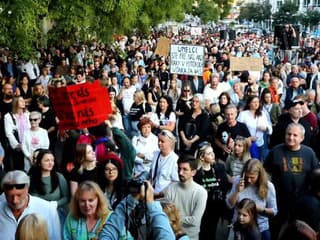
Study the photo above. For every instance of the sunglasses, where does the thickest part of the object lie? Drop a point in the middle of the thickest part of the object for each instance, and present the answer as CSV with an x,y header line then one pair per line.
x,y
33,119
16,186
186,90
168,134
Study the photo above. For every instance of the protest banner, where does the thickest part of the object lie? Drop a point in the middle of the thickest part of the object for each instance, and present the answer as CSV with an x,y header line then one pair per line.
x,y
246,64
163,47
187,59
80,106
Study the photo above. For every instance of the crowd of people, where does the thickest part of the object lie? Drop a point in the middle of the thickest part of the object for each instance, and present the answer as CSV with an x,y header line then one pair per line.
x,y
178,154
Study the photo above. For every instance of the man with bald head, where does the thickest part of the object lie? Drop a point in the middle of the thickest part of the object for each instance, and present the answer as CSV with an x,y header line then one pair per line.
x,y
17,203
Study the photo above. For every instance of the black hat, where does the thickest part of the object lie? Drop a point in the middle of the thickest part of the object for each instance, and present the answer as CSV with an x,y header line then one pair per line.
x,y
293,103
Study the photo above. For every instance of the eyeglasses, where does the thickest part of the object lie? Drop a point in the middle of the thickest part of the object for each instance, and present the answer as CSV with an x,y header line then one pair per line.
x,y
12,186
33,119
110,170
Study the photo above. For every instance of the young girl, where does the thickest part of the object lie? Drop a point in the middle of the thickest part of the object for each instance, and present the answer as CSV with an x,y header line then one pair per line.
x,y
246,226
239,156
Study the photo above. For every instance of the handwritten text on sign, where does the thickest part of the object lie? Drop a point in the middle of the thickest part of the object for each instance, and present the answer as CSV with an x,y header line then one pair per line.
x,y
80,106
187,59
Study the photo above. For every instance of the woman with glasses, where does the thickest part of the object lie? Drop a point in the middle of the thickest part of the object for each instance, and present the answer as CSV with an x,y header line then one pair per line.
x,y
34,138
111,179
16,123
48,184
212,176
194,127
183,107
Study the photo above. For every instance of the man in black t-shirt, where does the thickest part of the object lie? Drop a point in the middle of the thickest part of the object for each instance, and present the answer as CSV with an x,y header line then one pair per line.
x,y
289,165
228,131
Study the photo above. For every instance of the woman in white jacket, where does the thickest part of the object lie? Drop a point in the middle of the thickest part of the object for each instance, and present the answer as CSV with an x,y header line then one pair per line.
x,y
145,144
257,123
16,123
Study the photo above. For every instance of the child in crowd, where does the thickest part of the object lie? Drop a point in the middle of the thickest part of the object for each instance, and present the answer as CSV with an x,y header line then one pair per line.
x,y
246,226
239,156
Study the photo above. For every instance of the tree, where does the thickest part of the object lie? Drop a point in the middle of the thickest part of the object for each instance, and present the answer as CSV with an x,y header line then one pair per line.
x,y
208,10
256,12
310,18
286,13
21,25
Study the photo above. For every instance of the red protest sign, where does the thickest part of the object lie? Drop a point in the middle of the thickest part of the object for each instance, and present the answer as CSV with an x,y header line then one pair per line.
x,y
80,106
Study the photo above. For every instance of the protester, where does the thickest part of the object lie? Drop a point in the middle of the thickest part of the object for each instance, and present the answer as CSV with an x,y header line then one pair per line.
x,y
246,226
212,176
32,227
17,203
289,164
195,126
145,144
88,213
111,181
253,184
188,196
158,221
16,123
257,123
48,184
164,167
34,138
86,169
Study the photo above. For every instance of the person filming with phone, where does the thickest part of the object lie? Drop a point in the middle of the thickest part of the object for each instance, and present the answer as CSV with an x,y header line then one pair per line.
x,y
158,225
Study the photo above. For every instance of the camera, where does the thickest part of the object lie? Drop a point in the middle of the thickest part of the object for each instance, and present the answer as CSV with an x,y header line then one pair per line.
x,y
134,185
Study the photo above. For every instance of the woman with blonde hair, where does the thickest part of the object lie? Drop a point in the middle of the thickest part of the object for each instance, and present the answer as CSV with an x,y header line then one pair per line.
x,y
239,156
32,227
85,166
88,213
254,184
173,214
138,110
212,176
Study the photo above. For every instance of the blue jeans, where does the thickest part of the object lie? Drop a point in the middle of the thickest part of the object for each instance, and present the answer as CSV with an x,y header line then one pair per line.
x,y
265,235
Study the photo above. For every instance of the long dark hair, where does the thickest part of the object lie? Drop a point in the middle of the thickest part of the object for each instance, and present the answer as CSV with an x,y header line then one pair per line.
x,y
169,109
247,107
118,183
36,183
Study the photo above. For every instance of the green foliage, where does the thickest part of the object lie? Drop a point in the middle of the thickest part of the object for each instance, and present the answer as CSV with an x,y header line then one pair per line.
x,y
256,12
286,13
209,10
310,18
22,21
21,25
